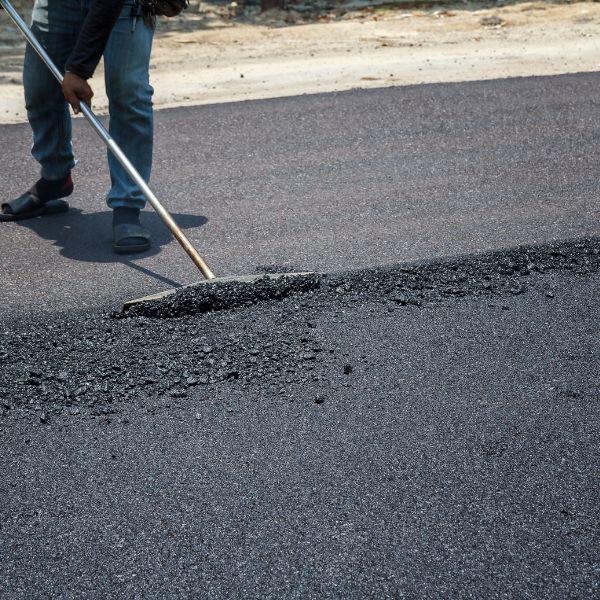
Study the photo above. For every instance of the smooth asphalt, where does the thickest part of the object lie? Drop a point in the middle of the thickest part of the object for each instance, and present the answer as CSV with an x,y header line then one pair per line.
x,y
320,182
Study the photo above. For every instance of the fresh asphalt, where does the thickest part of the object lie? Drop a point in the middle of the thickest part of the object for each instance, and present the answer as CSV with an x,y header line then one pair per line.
x,y
422,431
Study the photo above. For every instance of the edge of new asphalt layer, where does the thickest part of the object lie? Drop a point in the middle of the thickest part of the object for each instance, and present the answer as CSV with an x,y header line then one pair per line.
x,y
253,333
414,282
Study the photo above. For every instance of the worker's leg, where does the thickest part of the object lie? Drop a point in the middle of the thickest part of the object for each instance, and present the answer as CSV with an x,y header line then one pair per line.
x,y
56,27
126,63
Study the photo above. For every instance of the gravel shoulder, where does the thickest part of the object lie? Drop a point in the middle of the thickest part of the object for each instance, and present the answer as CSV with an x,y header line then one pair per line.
x,y
206,57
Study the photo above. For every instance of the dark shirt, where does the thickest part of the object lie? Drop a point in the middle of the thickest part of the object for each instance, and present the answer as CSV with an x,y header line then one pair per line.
x,y
98,23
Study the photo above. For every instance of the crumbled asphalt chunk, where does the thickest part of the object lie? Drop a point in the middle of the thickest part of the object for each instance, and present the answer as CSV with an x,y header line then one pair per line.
x,y
86,365
224,295
347,369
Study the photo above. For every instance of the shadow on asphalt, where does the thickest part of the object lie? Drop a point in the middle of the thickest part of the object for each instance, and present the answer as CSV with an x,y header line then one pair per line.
x,y
87,237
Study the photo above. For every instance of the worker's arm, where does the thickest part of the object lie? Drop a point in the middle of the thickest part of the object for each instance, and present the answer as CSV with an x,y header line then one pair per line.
x,y
84,59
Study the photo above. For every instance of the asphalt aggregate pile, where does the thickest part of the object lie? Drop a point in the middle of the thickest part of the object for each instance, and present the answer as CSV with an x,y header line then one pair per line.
x,y
423,281
422,430
97,362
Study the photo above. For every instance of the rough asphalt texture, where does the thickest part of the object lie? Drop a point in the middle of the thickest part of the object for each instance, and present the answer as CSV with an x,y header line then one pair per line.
x,y
422,432
321,183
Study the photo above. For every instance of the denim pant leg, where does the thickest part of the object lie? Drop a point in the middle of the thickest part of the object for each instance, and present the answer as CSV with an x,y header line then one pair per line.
x,y
126,65
47,110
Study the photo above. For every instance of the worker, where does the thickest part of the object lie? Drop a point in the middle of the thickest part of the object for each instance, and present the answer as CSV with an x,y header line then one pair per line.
x,y
76,34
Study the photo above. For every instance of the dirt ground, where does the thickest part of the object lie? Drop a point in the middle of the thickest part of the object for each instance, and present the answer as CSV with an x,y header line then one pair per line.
x,y
207,56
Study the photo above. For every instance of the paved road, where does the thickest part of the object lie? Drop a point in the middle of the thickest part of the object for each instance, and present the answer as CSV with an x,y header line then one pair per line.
x,y
322,182
419,432
335,445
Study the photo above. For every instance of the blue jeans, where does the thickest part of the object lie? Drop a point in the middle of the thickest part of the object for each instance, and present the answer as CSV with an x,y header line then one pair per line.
x,y
56,24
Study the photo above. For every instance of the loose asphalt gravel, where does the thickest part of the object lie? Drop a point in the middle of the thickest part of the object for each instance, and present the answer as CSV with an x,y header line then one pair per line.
x,y
398,425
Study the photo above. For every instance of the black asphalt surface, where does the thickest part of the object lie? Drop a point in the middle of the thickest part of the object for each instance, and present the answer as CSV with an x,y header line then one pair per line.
x,y
403,426
323,182
419,432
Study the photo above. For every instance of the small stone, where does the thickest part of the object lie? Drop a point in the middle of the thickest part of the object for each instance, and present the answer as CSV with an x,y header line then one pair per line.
x,y
549,295
347,369
44,418
492,21
401,299
319,400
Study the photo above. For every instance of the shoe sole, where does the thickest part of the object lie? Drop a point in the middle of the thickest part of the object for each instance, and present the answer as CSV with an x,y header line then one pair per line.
x,y
134,249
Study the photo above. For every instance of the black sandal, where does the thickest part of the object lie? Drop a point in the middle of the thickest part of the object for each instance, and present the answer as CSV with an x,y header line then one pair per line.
x,y
29,206
128,231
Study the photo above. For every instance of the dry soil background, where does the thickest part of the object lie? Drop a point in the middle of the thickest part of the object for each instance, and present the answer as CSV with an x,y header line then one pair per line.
x,y
207,56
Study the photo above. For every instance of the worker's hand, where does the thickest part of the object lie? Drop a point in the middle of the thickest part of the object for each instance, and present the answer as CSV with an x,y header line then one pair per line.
x,y
76,88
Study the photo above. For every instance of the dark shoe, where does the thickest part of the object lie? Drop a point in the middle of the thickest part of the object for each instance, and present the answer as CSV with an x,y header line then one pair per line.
x,y
29,206
130,238
44,198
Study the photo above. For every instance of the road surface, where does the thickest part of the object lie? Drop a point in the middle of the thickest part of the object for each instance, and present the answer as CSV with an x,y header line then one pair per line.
x,y
322,182
416,431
